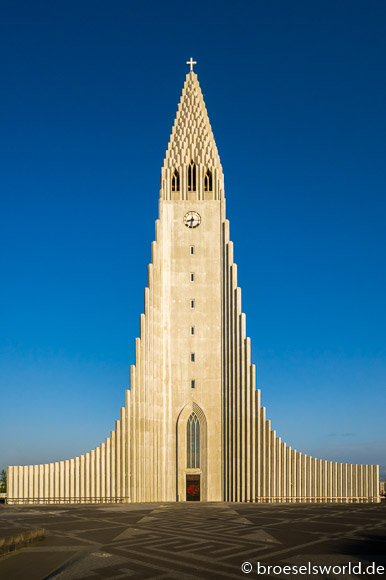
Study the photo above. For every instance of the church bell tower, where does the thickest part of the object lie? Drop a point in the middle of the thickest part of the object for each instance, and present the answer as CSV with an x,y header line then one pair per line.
x,y
188,258
203,389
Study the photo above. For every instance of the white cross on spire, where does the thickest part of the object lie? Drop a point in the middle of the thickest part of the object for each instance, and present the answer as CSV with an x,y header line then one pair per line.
x,y
192,63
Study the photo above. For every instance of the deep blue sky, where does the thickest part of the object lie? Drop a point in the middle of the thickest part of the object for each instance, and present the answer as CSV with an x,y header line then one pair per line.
x,y
296,94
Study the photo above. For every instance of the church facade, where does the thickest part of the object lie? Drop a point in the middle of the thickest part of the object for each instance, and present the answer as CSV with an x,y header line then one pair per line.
x,y
192,428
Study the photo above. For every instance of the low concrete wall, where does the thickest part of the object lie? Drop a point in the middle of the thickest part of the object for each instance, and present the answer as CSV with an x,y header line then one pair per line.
x,y
19,539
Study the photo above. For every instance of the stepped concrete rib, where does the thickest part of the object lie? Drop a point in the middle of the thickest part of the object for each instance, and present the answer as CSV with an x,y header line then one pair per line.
x,y
192,426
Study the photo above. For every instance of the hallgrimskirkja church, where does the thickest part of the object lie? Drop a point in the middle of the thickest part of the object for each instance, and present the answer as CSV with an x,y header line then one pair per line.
x,y
192,428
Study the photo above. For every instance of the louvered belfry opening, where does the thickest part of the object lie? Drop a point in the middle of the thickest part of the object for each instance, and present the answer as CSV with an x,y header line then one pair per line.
x,y
208,186
176,181
192,176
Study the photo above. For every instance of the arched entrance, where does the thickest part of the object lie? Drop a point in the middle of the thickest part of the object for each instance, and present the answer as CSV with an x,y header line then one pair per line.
x,y
191,454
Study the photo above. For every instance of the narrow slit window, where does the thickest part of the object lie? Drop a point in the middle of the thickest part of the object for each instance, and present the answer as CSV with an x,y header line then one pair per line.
x,y
192,330
192,357
208,181
192,304
192,384
192,276
176,181
193,442
192,176
191,250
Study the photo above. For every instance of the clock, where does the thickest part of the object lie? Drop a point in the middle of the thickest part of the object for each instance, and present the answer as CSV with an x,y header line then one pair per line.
x,y
192,219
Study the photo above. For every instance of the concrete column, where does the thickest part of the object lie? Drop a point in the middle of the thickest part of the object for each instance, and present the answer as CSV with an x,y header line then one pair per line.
x,y
30,481
288,487
36,481
19,473
231,363
313,477
258,430
133,438
10,484
333,481
72,480
40,490
294,479
123,455
82,469
50,484
227,394
238,390
344,480
17,487
108,468
330,470
358,483
152,348
272,460
92,475
268,460
103,471
20,478
61,481
46,472
77,479
354,481
365,471
98,474
244,417
57,480
252,389
370,482
67,480
303,470
235,393
361,481
324,480
299,476
11,489
142,413
87,487
138,430
147,404
339,481
376,483
112,467
284,473
278,470
308,478
349,480
118,455
25,482
128,445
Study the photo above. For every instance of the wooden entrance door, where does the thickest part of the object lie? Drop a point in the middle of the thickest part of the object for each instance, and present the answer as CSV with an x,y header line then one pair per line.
x,y
193,487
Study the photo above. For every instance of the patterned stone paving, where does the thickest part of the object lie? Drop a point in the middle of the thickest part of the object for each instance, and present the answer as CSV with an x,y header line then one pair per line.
x,y
191,540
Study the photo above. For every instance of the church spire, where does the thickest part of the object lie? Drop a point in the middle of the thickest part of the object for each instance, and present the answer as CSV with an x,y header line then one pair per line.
x,y
192,167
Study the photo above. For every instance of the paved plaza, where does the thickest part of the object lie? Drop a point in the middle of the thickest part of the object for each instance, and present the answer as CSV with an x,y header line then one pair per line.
x,y
191,540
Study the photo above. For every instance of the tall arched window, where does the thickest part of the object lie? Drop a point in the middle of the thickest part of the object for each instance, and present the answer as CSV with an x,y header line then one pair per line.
x,y
176,181
193,441
192,176
208,181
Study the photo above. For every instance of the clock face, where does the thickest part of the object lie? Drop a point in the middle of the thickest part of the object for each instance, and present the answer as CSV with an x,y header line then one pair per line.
x,y
192,219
